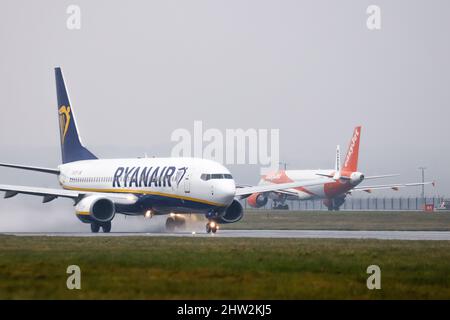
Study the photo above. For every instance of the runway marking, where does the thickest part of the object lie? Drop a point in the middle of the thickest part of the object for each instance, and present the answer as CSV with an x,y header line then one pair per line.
x,y
290,234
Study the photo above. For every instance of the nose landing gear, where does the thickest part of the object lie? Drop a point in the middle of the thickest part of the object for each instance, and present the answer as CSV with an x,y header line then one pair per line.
x,y
211,226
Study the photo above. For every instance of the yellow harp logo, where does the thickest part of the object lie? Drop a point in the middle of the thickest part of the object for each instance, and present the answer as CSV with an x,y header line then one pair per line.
x,y
64,121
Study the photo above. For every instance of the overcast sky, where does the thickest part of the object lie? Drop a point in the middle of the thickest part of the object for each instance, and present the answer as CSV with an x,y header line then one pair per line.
x,y
138,70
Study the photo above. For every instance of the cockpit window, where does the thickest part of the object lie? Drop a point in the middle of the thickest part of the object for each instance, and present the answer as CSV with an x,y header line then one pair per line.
x,y
207,176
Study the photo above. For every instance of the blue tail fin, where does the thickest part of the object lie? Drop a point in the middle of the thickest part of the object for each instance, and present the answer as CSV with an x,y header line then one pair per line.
x,y
71,147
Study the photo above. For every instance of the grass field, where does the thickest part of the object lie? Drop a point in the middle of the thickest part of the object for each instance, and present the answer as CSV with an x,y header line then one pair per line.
x,y
221,268
343,220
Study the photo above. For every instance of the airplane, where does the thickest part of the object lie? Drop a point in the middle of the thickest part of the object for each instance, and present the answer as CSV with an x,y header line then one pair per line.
x,y
102,188
345,180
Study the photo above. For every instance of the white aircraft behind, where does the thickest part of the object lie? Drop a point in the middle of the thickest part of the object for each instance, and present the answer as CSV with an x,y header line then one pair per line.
x,y
345,179
102,188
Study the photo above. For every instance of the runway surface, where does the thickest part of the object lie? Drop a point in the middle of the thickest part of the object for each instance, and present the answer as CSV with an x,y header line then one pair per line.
x,y
319,234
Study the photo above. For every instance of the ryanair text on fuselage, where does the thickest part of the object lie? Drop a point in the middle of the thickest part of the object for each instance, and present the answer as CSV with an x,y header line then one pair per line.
x,y
139,177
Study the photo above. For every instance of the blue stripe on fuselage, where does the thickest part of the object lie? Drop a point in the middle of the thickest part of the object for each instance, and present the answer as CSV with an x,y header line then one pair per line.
x,y
166,205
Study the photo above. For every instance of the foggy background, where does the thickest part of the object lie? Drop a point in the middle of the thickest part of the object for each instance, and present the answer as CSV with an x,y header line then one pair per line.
x,y
138,70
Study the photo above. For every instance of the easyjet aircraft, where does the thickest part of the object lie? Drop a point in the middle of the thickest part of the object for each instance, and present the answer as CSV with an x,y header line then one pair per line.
x,y
102,188
344,181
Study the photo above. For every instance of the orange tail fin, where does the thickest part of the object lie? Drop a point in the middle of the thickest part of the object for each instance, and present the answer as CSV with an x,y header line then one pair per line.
x,y
351,159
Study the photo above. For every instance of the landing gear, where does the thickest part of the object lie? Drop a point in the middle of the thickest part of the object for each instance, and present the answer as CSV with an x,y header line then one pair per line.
x,y
95,227
106,226
211,226
170,224
333,208
280,206
334,204
175,222
180,223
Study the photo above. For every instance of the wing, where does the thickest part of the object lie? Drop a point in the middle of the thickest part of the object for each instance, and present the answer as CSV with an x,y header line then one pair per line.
x,y
365,178
39,169
50,194
382,176
394,187
280,186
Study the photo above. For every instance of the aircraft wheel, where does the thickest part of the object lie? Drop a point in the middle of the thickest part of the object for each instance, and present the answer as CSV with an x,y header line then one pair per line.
x,y
211,227
180,223
106,227
170,224
95,227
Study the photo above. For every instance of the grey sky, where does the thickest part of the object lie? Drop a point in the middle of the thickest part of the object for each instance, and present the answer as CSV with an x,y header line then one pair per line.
x,y
138,70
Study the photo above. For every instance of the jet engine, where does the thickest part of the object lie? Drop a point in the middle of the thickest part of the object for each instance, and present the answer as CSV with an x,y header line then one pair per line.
x,y
95,208
233,213
356,178
257,200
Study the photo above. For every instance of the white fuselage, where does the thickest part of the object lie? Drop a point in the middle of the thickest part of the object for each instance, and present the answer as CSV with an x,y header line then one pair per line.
x,y
320,191
178,184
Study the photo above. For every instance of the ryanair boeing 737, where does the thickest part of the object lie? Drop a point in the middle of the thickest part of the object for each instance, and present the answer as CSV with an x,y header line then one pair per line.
x,y
102,188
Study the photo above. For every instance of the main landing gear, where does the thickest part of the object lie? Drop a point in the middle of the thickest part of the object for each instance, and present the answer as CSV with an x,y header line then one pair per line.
x,y
280,206
333,208
175,222
106,226
334,204
211,226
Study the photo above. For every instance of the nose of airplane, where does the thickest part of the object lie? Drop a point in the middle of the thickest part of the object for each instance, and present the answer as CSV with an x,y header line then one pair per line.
x,y
224,191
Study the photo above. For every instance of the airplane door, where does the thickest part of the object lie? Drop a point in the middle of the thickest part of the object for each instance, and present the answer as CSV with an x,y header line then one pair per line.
x,y
187,184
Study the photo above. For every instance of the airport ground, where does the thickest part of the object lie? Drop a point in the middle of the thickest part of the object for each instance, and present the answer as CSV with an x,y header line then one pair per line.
x,y
343,220
221,268
139,267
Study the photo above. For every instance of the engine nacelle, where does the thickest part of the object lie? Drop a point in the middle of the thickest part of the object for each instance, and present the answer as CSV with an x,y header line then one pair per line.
x,y
233,213
257,200
95,208
356,178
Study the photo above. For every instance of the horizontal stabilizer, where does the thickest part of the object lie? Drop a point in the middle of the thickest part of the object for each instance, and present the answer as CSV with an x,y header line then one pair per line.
x,y
325,175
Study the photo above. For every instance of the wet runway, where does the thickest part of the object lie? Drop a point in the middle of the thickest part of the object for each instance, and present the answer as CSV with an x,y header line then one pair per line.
x,y
319,234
